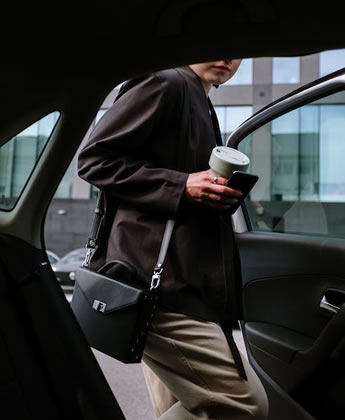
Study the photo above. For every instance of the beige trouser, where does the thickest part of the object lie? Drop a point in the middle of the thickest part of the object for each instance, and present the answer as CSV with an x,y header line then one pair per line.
x,y
191,374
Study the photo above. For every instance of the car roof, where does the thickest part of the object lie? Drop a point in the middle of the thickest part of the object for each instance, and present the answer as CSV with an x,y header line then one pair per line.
x,y
117,40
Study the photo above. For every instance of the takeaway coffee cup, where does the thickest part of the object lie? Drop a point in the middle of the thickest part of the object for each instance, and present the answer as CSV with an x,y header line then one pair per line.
x,y
225,160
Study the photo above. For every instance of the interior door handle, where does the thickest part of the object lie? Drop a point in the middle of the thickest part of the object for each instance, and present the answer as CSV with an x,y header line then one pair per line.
x,y
308,360
328,306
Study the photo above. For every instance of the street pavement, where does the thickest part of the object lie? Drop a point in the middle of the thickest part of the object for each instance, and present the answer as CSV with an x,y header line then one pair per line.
x,y
128,385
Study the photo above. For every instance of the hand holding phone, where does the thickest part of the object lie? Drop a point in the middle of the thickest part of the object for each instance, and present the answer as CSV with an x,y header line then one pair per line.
x,y
243,182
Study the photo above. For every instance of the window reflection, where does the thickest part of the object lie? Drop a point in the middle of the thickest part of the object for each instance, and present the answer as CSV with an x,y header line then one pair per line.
x,y
331,61
295,155
285,70
230,117
18,158
307,154
299,158
332,153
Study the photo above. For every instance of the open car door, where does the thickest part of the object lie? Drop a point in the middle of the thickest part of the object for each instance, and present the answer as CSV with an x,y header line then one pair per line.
x,y
291,239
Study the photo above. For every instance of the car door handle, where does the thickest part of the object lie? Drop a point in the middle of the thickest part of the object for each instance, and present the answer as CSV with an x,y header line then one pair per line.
x,y
328,306
332,300
309,359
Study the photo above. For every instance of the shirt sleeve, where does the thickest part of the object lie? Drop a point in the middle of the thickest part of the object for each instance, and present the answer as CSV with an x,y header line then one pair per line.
x,y
117,157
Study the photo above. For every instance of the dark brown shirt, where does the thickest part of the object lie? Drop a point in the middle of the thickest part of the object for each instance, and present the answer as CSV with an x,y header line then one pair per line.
x,y
137,156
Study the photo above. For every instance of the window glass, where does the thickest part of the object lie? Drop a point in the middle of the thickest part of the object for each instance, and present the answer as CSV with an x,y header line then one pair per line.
x,y
93,192
18,157
64,189
244,74
285,69
299,160
230,117
332,150
331,61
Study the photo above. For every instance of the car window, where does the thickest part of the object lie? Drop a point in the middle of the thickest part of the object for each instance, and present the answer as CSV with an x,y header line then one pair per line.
x,y
18,158
299,158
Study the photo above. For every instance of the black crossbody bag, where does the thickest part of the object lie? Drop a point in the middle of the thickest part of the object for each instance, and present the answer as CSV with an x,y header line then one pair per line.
x,y
116,313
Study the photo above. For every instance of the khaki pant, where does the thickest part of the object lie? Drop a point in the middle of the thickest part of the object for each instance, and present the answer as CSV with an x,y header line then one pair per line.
x,y
191,374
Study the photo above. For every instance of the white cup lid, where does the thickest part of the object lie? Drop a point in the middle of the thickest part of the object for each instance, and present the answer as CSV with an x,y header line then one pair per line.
x,y
224,160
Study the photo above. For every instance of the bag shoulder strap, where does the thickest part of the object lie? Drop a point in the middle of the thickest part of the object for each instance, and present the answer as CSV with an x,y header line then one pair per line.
x,y
95,237
185,125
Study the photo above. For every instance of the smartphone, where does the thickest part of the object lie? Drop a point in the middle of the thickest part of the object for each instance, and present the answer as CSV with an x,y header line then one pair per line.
x,y
243,182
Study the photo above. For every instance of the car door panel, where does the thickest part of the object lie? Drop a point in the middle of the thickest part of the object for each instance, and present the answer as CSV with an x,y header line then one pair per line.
x,y
292,247
284,282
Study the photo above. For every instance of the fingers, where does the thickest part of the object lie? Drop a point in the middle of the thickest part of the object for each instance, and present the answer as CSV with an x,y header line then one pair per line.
x,y
218,185
215,179
204,187
216,202
220,197
222,189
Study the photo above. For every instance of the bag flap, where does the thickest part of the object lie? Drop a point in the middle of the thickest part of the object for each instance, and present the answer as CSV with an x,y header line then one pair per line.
x,y
105,294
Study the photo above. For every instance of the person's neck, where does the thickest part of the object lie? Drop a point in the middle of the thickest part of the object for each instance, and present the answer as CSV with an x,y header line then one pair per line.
x,y
206,85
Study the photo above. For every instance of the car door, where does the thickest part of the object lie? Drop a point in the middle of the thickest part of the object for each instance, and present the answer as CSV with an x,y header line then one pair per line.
x,y
47,368
291,240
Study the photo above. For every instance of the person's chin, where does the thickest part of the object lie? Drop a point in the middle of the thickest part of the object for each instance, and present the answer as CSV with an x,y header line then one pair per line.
x,y
221,80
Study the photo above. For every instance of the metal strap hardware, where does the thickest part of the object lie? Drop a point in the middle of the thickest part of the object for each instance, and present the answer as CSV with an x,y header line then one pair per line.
x,y
99,306
88,256
156,278
95,233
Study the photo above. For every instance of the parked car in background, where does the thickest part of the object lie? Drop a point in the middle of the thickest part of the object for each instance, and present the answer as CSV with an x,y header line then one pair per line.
x,y
66,267
52,257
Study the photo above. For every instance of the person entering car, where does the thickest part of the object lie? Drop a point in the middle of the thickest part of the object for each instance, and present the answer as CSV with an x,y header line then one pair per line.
x,y
152,161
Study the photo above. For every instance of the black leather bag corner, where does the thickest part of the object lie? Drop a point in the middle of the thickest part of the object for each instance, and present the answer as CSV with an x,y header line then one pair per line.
x,y
114,314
